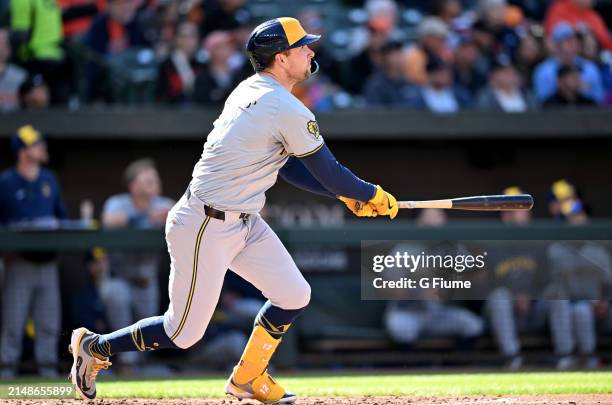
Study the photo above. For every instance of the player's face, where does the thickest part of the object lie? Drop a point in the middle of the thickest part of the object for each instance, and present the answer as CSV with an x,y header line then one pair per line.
x,y
37,153
146,184
300,59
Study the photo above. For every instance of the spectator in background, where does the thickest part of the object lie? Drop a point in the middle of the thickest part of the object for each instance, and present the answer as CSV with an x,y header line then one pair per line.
x,y
167,21
451,13
566,50
132,292
37,31
217,79
223,15
504,92
529,54
516,306
439,95
470,70
77,16
578,13
581,273
423,313
381,28
30,197
110,34
432,43
11,76
387,86
569,90
447,10
86,305
177,74
564,203
34,93
494,29
591,50
534,10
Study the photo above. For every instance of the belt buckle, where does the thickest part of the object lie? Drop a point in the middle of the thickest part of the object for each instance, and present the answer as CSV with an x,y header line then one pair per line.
x,y
244,217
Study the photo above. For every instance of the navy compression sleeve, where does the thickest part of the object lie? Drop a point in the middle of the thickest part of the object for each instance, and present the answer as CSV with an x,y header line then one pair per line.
x,y
335,177
294,172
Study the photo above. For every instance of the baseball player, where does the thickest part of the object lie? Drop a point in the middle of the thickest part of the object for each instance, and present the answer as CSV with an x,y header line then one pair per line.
x,y
262,131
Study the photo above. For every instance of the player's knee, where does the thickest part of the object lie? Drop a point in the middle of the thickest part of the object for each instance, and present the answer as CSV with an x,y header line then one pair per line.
x,y
473,326
302,296
296,297
582,310
185,339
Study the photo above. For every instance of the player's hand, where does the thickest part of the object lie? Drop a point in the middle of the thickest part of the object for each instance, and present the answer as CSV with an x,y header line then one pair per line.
x,y
359,208
384,203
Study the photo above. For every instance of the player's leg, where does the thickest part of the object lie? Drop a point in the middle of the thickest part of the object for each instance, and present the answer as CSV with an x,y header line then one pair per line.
x,y
19,282
404,323
266,264
560,320
583,317
201,249
46,313
117,298
448,320
500,311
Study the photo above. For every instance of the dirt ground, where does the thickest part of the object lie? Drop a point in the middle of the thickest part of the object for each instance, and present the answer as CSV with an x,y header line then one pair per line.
x,y
467,400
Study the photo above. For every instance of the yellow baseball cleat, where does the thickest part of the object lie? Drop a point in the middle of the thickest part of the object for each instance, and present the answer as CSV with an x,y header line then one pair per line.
x,y
262,388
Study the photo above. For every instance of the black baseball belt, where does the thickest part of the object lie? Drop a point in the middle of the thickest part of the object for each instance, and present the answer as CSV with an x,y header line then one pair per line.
x,y
213,212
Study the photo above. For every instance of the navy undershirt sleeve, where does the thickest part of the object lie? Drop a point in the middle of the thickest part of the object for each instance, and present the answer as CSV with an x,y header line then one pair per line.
x,y
294,172
336,178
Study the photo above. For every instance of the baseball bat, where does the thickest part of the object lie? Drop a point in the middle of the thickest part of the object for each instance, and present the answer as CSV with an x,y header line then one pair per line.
x,y
518,202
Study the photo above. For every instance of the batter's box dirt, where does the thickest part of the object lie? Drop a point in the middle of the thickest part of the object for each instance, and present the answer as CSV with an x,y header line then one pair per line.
x,y
590,399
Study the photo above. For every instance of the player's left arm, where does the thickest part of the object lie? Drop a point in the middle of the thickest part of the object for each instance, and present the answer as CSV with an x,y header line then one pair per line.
x,y
295,173
301,137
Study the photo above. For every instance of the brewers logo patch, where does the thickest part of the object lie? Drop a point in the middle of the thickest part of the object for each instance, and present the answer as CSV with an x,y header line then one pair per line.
x,y
46,190
313,128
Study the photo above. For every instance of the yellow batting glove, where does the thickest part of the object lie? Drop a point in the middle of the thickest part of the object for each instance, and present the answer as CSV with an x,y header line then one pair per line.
x,y
384,203
359,208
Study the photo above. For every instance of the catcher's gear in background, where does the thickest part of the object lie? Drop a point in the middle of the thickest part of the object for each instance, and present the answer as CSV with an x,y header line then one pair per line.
x,y
384,203
274,36
359,208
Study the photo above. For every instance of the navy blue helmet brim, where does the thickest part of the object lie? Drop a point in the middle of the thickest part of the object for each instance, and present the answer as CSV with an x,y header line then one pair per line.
x,y
308,39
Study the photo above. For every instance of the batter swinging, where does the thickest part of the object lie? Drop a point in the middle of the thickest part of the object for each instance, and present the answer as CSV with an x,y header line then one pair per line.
x,y
263,131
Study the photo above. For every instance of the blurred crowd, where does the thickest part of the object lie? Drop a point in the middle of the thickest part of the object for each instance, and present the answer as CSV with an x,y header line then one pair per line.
x,y
438,55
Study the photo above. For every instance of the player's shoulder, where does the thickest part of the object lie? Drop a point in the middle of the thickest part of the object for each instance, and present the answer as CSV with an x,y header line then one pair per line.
x,y
118,200
7,178
7,174
291,104
47,174
254,88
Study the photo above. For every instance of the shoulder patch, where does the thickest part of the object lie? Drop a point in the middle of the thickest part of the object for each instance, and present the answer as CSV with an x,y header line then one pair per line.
x,y
313,128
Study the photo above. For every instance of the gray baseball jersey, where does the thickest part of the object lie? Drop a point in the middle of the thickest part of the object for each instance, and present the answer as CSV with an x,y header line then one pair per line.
x,y
261,125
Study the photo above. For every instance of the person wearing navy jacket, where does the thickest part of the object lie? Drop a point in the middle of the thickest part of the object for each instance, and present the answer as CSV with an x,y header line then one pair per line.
x,y
30,197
